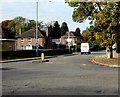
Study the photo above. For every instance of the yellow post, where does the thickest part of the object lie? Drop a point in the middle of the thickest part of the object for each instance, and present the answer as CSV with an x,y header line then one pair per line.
x,y
42,56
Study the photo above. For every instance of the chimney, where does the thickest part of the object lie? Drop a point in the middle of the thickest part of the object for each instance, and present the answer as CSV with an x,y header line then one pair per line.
x,y
20,31
47,31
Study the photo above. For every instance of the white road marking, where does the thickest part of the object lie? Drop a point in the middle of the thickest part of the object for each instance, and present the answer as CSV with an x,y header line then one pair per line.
x,y
84,64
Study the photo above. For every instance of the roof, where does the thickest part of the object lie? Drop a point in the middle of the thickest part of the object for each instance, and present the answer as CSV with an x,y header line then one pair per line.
x,y
31,34
85,31
72,34
7,39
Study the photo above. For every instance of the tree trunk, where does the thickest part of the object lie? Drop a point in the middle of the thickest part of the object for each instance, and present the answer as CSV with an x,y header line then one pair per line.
x,y
109,52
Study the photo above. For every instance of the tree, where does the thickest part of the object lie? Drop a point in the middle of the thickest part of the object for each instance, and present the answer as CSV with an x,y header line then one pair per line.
x,y
108,23
77,31
85,35
64,28
19,25
31,24
16,25
105,16
56,30
5,29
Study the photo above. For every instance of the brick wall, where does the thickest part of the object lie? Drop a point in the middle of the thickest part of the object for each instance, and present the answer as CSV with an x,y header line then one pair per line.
x,y
8,45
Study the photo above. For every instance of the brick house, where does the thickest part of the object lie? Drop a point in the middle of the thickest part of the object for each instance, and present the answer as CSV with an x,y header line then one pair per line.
x,y
27,39
8,44
74,38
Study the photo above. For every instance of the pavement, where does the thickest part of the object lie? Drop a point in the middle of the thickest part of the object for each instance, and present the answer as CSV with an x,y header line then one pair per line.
x,y
24,59
104,61
27,59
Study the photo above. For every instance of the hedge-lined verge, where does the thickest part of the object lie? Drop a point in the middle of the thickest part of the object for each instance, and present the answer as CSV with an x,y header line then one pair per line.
x,y
31,53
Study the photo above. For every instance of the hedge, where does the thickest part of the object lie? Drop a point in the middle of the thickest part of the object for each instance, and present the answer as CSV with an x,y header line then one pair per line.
x,y
31,53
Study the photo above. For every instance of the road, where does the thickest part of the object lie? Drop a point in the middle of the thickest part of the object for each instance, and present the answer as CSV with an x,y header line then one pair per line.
x,y
62,75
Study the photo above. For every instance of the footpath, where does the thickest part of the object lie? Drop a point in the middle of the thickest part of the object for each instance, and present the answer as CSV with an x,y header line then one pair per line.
x,y
104,61
24,59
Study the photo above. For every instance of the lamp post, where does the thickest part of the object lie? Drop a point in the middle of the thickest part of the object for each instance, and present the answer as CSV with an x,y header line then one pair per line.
x,y
69,40
36,34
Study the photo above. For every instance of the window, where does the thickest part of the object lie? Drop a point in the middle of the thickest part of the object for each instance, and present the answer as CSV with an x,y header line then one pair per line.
x,y
29,40
22,47
22,40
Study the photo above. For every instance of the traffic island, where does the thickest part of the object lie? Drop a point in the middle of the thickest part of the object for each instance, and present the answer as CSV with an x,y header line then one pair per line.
x,y
40,61
104,61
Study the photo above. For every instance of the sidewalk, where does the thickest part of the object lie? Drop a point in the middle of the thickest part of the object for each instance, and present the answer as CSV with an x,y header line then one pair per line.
x,y
104,61
25,59
34,58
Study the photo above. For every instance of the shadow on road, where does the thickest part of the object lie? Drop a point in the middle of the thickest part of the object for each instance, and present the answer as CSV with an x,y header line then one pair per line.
x,y
96,53
6,68
70,54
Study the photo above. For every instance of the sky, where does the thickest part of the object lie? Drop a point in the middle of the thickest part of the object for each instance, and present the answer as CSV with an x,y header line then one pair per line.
x,y
47,12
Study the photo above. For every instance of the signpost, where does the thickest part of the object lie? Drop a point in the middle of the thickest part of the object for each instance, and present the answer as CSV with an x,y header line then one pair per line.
x,y
69,43
36,34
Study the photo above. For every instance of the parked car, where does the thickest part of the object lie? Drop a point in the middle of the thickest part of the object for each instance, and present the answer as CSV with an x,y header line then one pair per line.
x,y
85,48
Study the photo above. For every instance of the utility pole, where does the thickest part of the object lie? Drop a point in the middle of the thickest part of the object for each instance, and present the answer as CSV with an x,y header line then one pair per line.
x,y
36,35
69,40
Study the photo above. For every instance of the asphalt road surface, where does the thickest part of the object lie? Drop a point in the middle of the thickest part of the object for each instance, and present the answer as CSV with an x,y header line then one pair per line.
x,y
62,75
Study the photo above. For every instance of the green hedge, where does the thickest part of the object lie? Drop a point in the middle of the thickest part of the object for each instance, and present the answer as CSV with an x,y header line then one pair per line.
x,y
31,53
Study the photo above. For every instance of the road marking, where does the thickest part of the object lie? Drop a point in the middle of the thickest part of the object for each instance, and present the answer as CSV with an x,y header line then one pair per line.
x,y
84,64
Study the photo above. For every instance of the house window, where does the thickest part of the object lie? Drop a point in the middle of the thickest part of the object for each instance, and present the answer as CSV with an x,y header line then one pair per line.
x,y
22,40
22,47
29,40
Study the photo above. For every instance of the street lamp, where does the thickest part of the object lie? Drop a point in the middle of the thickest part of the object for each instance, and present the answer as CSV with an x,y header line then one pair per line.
x,y
36,35
69,40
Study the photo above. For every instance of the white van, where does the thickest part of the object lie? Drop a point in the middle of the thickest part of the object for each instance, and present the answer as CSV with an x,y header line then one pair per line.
x,y
85,48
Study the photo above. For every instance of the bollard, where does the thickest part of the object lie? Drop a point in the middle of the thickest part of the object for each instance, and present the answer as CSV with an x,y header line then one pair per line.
x,y
42,56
